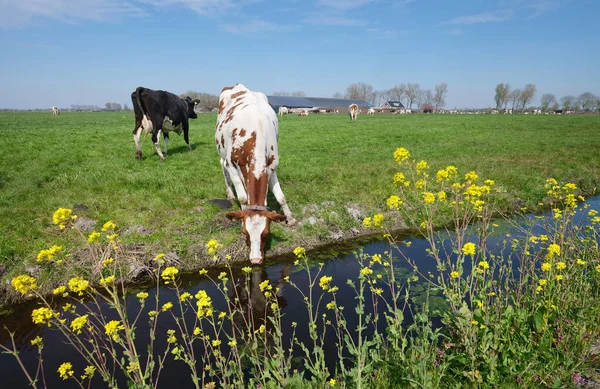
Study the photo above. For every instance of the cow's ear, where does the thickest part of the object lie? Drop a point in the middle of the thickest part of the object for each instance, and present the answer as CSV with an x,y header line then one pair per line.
x,y
188,99
196,101
234,215
276,217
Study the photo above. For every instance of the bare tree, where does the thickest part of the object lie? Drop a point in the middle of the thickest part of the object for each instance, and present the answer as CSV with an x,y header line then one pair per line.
x,y
567,102
397,92
338,95
547,100
515,97
207,100
412,93
586,101
299,94
527,95
281,93
502,95
441,90
126,107
359,91
425,97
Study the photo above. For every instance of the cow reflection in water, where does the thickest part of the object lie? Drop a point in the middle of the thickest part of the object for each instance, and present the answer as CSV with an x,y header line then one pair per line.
x,y
252,306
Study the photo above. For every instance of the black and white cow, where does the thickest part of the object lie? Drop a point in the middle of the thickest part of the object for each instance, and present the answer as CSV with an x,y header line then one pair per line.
x,y
158,111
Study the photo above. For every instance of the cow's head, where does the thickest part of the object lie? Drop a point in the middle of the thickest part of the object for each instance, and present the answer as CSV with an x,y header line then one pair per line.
x,y
191,104
255,226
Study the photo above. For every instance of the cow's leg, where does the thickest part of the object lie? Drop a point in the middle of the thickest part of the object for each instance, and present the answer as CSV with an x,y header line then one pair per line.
x,y
230,195
278,193
165,141
137,133
186,137
156,141
238,184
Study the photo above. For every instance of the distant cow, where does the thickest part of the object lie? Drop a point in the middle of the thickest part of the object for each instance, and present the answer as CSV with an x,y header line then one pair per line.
x,y
303,113
55,110
246,137
353,111
370,111
158,111
283,110
558,111
336,111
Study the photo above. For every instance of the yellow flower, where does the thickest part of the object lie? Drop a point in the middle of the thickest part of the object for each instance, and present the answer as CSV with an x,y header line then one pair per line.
x,y
469,248
169,274
598,268
471,176
377,220
78,323
481,327
474,322
62,217
159,258
484,265
41,315
172,338
332,382
299,252
491,294
401,155
142,295
543,282
581,262
592,213
78,285
376,258
366,222
324,282
232,343
569,186
454,274
553,250
107,262
132,367
108,225
216,342
185,296
93,237
36,341
330,305
533,239
247,269
399,178
65,370
107,280
265,285
558,277
222,315
197,331
262,328
441,196
204,304
422,165
112,329
420,184
377,291
48,254
89,371
489,182
561,265
428,197
546,266
213,245
23,283
366,271
167,306
393,202
203,272
543,238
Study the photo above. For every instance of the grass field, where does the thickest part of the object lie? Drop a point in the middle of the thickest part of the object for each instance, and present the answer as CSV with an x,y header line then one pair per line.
x,y
86,161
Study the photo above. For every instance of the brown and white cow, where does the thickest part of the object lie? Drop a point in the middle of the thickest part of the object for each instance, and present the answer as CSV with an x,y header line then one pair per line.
x,y
370,111
246,137
55,110
353,111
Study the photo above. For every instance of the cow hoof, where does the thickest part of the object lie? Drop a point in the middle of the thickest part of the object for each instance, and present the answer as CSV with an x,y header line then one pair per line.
x,y
162,159
189,148
138,155
291,222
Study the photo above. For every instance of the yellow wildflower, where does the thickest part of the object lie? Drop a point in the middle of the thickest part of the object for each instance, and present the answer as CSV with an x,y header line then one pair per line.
x,y
169,274
203,272
324,282
172,338
377,220
36,341
78,285
366,271
185,296
232,343
112,329
553,250
89,371
107,280
422,165
332,382
474,322
222,315
366,222
401,155
23,283
204,304
561,265
62,217
93,237
247,269
442,175
108,262
598,268
420,184
471,176
132,367
489,182
546,266
65,370
159,258
265,285
197,331
167,306
569,186
41,315
543,282
428,197
454,274
213,245
469,248
78,323
393,202
441,196
262,328
581,262
376,258
108,225
399,178
484,265
558,277
330,305
48,254
299,252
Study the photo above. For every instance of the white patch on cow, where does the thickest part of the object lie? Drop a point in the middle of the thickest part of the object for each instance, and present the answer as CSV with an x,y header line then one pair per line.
x,y
168,126
136,138
255,225
147,125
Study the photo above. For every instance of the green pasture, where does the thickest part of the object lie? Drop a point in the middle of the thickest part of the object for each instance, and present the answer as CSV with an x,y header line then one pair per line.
x,y
85,161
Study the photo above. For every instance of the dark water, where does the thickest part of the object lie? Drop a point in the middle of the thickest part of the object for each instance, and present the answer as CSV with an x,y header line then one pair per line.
x,y
340,266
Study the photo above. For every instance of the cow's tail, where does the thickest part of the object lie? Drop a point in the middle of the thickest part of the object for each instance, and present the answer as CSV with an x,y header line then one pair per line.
x,y
147,124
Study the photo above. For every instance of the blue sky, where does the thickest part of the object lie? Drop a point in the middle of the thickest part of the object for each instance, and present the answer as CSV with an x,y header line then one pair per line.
x,y
63,52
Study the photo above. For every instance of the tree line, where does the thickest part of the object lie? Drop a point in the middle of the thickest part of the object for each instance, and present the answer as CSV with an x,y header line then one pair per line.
x,y
409,94
521,98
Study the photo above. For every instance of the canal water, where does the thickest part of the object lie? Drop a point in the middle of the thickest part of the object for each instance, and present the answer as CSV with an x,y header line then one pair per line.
x,y
338,262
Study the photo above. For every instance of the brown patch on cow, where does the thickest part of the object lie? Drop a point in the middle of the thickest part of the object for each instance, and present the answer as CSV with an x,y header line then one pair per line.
x,y
237,94
270,160
233,135
244,158
272,148
242,132
227,88
221,106
222,141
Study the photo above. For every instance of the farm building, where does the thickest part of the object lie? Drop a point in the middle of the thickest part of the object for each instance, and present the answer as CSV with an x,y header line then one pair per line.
x,y
314,104
393,104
